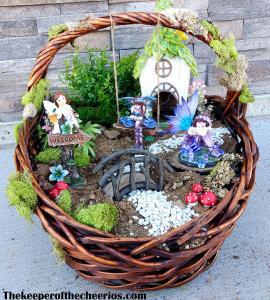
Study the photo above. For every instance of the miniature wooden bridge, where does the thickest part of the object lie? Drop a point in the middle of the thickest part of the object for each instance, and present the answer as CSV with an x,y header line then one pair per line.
x,y
124,169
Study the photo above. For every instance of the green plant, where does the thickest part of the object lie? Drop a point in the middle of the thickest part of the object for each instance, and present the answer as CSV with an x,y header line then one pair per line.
x,y
211,28
246,96
92,130
42,137
21,194
127,86
37,94
16,129
91,85
163,4
103,216
81,158
55,30
64,201
48,155
165,41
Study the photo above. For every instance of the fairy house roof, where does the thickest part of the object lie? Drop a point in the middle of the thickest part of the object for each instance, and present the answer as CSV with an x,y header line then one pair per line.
x,y
165,42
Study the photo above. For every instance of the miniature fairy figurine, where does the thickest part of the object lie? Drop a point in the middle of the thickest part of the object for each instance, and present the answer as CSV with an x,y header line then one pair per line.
x,y
139,117
64,122
198,145
61,115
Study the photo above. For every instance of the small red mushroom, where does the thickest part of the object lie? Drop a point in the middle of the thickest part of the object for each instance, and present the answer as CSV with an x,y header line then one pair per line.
x,y
208,199
54,192
192,199
61,185
197,188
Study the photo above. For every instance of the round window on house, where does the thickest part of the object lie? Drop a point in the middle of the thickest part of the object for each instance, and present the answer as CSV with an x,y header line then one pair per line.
x,y
163,68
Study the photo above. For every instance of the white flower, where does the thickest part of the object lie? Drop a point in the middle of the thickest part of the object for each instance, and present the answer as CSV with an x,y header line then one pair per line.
x,y
29,111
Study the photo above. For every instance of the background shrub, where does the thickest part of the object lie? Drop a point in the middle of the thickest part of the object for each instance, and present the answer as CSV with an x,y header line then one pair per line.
x,y
91,86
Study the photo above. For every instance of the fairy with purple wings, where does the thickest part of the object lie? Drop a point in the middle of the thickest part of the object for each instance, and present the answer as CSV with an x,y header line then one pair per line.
x,y
184,114
140,116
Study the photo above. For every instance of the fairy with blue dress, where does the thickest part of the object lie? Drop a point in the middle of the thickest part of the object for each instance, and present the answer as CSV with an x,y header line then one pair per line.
x,y
140,116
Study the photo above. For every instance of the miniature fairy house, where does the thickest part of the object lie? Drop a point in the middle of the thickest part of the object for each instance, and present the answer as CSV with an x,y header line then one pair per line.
x,y
164,66
173,81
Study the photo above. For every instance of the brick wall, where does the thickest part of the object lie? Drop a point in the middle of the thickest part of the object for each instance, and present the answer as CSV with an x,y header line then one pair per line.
x,y
24,25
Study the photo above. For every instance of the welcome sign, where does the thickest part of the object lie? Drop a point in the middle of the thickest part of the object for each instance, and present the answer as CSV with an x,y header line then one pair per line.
x,y
68,139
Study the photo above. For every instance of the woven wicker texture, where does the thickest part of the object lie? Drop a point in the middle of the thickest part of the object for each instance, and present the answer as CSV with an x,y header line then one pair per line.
x,y
140,263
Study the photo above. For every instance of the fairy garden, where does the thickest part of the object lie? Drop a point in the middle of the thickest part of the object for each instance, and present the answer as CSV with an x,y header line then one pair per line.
x,y
135,147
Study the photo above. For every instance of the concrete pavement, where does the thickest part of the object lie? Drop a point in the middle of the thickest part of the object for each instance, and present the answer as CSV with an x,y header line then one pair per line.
x,y
242,270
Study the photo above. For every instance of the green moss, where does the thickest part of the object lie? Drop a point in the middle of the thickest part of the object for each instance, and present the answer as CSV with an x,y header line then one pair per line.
x,y
64,201
103,216
246,96
211,28
22,195
82,160
16,129
58,251
49,154
223,174
227,54
55,30
37,94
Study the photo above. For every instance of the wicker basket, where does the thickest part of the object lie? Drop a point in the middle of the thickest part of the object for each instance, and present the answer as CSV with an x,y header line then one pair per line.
x,y
140,263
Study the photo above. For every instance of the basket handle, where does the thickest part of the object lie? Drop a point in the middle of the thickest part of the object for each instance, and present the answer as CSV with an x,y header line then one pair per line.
x,y
47,53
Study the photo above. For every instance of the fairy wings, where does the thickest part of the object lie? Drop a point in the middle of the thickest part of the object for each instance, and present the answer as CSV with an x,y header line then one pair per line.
x,y
184,114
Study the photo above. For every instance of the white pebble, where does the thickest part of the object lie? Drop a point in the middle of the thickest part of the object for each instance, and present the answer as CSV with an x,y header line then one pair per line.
x,y
157,212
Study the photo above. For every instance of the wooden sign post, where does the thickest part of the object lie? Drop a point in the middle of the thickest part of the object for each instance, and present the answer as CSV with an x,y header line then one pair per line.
x,y
67,142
